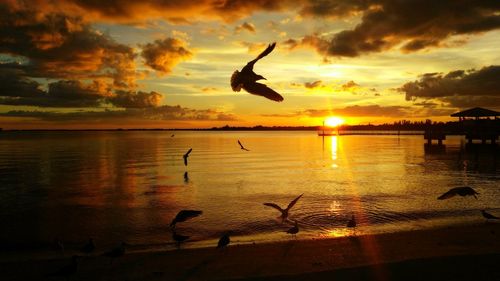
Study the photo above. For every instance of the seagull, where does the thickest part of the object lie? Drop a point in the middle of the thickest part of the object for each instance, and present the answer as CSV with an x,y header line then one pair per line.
x,y
184,215
293,230
242,147
489,216
351,222
68,270
284,212
223,241
178,238
462,191
246,79
89,247
185,156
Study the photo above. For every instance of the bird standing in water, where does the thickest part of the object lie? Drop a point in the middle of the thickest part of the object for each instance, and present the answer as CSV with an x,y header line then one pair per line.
x,y
223,241
246,79
351,222
284,212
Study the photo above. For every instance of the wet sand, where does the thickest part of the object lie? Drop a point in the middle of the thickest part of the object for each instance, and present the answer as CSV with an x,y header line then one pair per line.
x,y
470,252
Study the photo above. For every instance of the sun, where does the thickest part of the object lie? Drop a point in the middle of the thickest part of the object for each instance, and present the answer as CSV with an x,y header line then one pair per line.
x,y
333,121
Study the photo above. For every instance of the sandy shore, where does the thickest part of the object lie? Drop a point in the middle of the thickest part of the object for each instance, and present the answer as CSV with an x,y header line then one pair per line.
x,y
469,252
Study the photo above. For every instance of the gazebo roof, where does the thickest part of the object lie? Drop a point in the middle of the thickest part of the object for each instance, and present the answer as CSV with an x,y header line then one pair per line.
x,y
476,112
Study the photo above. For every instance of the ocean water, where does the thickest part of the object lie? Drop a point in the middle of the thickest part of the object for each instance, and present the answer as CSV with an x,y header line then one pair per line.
x,y
118,186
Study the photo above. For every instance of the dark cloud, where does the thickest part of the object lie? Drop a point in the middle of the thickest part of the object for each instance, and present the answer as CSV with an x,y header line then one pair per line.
x,y
460,88
60,46
412,24
164,112
245,26
129,99
349,85
164,55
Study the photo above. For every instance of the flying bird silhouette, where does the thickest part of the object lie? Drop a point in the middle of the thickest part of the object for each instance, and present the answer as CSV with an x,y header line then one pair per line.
x,y
284,212
185,215
246,79
185,156
462,191
293,230
223,241
489,216
242,147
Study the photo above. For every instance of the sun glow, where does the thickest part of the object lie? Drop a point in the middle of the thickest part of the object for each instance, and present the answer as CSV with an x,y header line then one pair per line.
x,y
334,121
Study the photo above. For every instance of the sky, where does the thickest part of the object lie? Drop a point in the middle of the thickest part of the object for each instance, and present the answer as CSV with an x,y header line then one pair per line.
x,y
167,64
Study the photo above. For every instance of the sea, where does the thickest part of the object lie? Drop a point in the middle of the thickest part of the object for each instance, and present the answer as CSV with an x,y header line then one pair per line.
x,y
115,186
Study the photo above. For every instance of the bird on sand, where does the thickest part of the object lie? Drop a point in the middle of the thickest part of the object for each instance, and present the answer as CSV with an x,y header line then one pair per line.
x,y
68,270
242,147
284,212
116,252
351,222
462,191
185,215
246,79
178,238
223,241
89,247
185,156
294,229
489,216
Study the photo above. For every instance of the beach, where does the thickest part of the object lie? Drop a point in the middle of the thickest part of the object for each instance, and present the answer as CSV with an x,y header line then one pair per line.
x,y
462,252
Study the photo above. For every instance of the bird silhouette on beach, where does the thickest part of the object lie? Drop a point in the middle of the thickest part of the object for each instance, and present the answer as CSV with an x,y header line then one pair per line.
x,y
185,156
185,215
294,229
68,270
178,238
284,212
223,241
246,79
242,147
462,191
489,216
89,247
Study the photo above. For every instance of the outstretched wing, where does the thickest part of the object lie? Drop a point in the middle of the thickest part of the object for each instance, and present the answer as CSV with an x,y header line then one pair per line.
x,y
294,201
274,206
262,90
266,52
241,146
450,193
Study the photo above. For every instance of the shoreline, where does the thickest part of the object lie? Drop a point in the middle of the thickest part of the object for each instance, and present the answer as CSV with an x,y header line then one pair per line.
x,y
302,259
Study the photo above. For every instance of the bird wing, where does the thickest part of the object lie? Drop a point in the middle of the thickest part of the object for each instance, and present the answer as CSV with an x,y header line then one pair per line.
x,y
262,90
187,153
274,206
450,193
185,160
293,202
266,52
240,144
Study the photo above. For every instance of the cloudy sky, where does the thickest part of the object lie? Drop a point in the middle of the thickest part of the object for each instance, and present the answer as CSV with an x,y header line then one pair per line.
x,y
130,64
